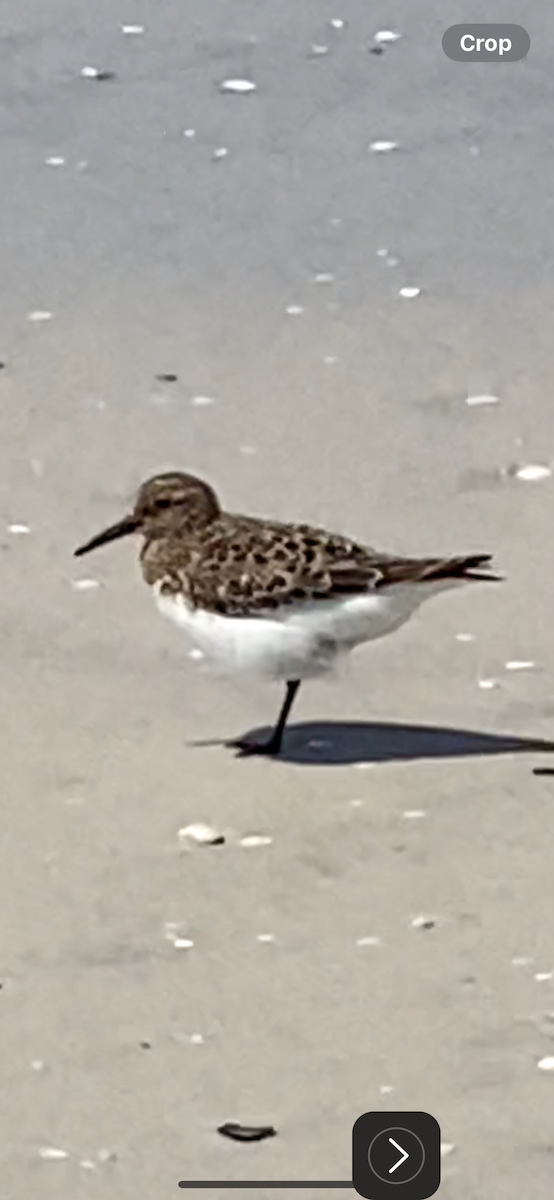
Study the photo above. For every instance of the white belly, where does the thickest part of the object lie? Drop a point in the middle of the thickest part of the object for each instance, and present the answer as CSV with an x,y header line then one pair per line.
x,y
299,641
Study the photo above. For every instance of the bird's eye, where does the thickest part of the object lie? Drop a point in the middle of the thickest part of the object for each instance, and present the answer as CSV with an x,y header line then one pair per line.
x,y
163,503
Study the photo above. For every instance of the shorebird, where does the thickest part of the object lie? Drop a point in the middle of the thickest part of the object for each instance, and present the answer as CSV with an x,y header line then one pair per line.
x,y
279,600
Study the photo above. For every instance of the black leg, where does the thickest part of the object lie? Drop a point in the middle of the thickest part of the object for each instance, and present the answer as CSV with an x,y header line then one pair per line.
x,y
273,745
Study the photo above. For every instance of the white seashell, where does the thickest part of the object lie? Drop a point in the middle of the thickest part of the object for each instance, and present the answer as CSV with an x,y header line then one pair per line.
x,y
447,1148
533,472
391,261
39,315
368,941
409,293
221,152
543,976
423,922
319,50
487,685
546,1064
330,359
382,252
132,29
90,72
54,161
203,835
520,960
18,529
414,814
189,133
87,1164
242,86
255,839
294,310
183,944
52,1154
84,585
196,1039
519,665
337,23
383,147
323,277
386,1089
265,937
202,401
478,401
386,35
465,637
172,933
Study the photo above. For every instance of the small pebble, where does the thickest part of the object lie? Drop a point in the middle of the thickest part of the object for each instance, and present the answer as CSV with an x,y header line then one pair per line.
x,y
221,152
423,922
246,1133
368,941
386,35
519,665
84,585
479,401
202,401
409,293
241,86
255,839
96,73
203,835
533,472
54,161
167,377
52,1154
39,315
546,1064
294,310
383,147
18,529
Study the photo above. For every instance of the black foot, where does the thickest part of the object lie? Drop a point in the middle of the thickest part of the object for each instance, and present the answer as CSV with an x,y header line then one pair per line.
x,y
246,749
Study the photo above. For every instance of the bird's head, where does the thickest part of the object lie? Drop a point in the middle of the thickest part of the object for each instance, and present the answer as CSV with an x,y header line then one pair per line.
x,y
169,503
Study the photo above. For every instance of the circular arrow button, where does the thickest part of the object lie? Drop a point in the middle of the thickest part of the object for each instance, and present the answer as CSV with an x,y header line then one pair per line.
x,y
396,1155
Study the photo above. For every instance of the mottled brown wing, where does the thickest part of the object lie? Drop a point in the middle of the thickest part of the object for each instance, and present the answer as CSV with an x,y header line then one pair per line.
x,y
246,566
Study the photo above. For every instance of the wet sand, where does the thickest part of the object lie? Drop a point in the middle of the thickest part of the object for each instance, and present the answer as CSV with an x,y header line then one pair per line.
x,y
153,256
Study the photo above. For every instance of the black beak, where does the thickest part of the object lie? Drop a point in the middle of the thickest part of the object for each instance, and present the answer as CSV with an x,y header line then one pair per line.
x,y
120,529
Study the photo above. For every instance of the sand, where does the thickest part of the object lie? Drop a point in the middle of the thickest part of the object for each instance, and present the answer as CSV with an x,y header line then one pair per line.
x,y
152,256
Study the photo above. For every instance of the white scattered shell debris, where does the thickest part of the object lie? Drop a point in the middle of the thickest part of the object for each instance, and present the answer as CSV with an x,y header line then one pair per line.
x,y
203,835
221,152
337,23
520,960
382,252
54,161
447,1148
323,277
368,941
533,472
318,50
241,86
543,976
189,133
391,261
265,937
414,814
383,147
87,1164
356,803
90,72
330,359
294,310
546,1064
487,685
39,315
423,922
196,1039
385,1089
18,529
172,933
52,1154
479,401
196,654
255,839
38,1064
409,293
386,35
517,664
202,401
132,29
465,637
85,585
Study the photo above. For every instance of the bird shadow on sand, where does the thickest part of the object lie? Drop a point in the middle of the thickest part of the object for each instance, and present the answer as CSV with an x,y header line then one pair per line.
x,y
341,743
